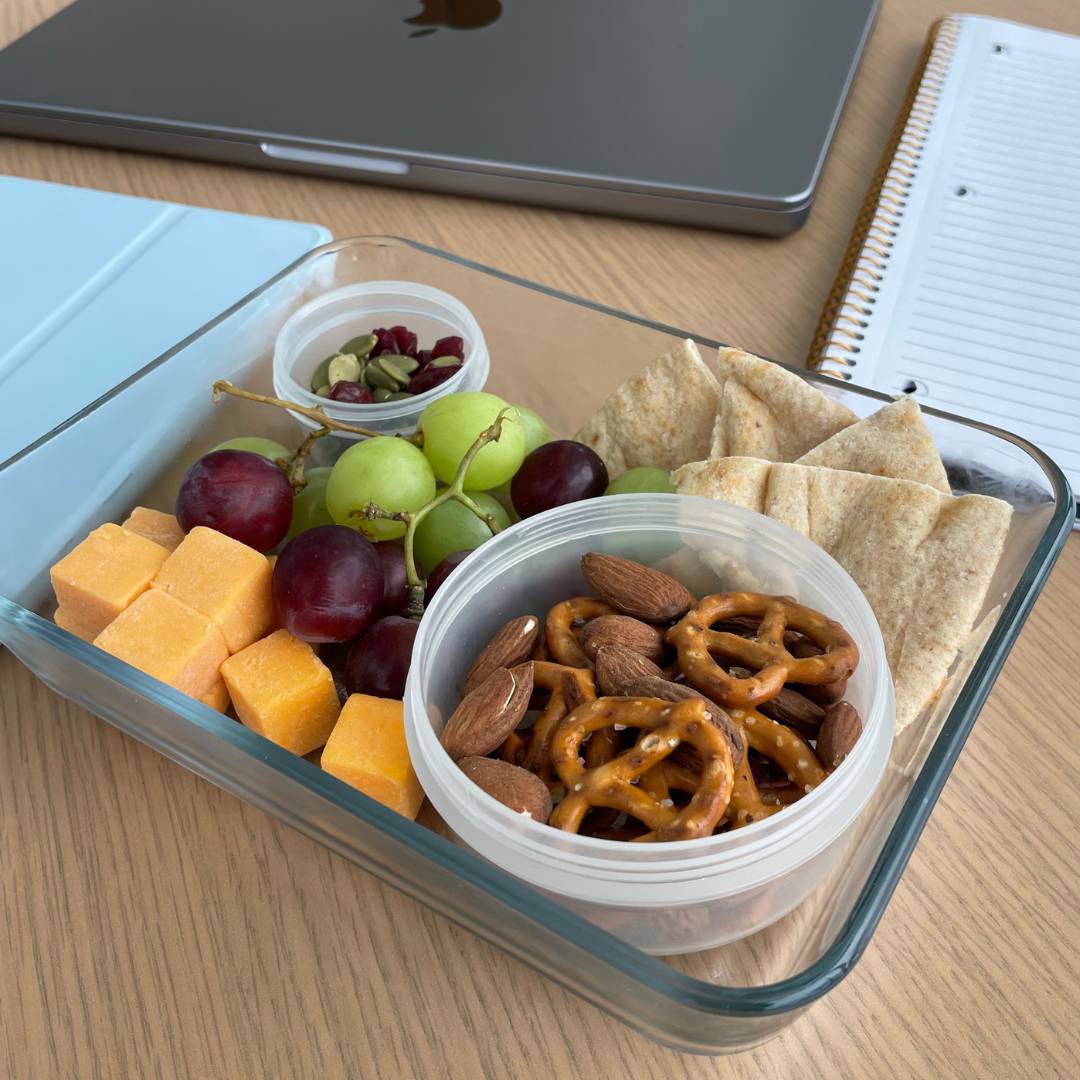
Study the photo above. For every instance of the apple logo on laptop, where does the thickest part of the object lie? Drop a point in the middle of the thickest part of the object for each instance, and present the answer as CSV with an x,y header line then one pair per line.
x,y
455,14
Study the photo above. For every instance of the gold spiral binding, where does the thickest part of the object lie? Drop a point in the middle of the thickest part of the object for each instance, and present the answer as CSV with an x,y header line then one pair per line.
x,y
851,301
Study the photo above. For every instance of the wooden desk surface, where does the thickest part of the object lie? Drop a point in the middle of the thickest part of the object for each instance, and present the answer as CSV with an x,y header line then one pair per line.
x,y
152,926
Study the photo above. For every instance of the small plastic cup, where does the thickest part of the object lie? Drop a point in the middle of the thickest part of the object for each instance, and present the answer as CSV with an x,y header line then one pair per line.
x,y
666,897
322,325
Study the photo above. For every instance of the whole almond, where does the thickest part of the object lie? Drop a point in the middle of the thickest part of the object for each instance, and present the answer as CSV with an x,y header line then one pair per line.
x,y
636,590
616,666
633,634
840,731
522,791
794,709
512,644
665,690
788,707
823,694
489,713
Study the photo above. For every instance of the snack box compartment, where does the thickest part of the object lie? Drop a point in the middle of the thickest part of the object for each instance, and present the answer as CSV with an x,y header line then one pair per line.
x,y
562,356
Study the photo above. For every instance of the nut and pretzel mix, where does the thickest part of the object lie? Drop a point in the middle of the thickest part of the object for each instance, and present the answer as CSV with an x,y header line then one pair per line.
x,y
636,713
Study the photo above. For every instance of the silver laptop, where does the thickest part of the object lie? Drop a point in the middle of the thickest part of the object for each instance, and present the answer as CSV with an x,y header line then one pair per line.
x,y
705,112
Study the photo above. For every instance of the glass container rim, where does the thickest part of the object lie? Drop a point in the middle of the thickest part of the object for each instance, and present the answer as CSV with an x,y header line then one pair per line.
x,y
790,994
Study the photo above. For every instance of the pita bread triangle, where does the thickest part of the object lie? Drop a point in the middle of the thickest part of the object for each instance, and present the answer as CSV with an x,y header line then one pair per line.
x,y
923,559
894,442
661,417
769,412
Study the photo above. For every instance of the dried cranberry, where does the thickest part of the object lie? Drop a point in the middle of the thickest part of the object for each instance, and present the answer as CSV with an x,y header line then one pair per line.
x,y
405,339
353,393
449,346
427,378
385,342
423,357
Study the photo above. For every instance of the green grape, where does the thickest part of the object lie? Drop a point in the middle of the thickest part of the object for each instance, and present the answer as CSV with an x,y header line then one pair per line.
x,y
453,527
536,430
536,434
389,472
644,479
309,505
256,445
452,424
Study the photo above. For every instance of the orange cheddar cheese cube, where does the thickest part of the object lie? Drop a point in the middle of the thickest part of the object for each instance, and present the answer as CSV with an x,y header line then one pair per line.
x,y
163,529
226,580
165,638
86,630
367,750
102,576
282,690
217,697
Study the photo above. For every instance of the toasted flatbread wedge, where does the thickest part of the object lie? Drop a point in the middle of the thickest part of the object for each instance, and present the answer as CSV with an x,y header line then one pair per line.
x,y
892,442
661,417
923,559
769,412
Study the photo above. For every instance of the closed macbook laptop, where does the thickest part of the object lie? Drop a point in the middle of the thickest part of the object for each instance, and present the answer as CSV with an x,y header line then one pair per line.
x,y
711,112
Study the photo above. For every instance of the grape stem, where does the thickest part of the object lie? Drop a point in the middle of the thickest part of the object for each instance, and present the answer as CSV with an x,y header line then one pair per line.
x,y
456,492
294,466
223,386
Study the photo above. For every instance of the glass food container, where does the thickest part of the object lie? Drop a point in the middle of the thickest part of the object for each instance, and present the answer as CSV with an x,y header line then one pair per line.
x,y
132,446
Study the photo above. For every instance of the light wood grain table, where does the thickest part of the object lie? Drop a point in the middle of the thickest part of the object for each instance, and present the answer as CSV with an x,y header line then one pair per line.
x,y
151,926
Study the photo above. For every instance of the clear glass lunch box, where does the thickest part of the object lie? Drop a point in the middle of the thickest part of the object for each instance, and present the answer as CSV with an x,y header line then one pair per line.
x,y
563,356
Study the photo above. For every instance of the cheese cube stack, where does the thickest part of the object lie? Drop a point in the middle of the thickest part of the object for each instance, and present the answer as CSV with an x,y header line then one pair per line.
x,y
163,529
96,581
170,641
367,750
282,690
223,579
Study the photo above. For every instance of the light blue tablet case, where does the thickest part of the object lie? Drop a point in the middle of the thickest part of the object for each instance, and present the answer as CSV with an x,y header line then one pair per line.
x,y
93,286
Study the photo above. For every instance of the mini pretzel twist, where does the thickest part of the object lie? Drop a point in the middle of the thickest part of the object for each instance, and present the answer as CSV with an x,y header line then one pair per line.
x,y
665,726
784,746
747,804
562,625
765,653
531,748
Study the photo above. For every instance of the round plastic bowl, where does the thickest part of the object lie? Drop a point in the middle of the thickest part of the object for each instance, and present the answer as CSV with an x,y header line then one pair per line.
x,y
671,897
322,325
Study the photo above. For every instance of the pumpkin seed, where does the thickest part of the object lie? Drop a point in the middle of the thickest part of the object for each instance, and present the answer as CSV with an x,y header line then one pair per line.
x,y
343,368
445,361
400,395
387,364
376,377
380,393
360,346
321,375
396,362
323,391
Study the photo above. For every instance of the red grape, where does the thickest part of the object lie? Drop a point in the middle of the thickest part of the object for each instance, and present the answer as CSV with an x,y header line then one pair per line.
x,y
443,571
555,474
353,393
378,663
238,493
328,584
396,582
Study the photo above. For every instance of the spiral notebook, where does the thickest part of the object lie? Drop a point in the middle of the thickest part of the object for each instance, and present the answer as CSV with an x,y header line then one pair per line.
x,y
962,281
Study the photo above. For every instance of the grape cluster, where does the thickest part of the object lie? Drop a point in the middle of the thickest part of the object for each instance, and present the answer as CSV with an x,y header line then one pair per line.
x,y
343,574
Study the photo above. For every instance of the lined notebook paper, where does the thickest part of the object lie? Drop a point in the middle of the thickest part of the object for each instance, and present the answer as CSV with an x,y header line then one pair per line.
x,y
964,288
